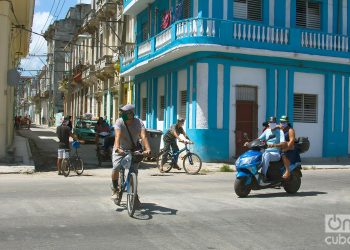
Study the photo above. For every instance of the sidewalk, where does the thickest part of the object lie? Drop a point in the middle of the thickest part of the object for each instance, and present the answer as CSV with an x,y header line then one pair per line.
x,y
22,159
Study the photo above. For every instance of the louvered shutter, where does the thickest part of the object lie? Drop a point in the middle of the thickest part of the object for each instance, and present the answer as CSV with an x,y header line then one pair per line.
x,y
161,108
144,109
308,14
248,9
183,98
305,108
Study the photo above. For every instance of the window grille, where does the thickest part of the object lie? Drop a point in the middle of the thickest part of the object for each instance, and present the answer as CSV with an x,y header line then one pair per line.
x,y
183,100
161,108
186,9
248,9
305,108
308,14
144,109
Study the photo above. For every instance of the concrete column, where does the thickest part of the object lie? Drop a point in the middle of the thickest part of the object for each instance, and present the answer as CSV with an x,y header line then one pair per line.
x,y
4,55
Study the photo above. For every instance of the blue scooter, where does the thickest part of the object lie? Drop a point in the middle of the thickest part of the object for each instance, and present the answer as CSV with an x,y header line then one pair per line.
x,y
249,163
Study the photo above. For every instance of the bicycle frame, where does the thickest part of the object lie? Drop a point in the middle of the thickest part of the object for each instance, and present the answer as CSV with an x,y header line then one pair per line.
x,y
176,154
125,184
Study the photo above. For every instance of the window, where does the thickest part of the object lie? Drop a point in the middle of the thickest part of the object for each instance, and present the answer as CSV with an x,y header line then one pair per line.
x,y
305,108
144,31
308,14
248,9
161,108
182,108
144,109
186,9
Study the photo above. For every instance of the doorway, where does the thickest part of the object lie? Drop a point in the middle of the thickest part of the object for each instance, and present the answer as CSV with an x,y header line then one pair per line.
x,y
246,116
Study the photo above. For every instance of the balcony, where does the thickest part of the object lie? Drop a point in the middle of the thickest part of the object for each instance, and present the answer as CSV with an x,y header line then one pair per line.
x,y
134,7
90,24
89,75
213,35
107,8
105,67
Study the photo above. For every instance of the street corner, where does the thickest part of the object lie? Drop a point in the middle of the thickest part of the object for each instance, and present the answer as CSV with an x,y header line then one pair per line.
x,y
18,169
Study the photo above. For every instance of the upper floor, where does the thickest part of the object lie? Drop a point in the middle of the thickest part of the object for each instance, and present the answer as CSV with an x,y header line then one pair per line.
x,y
312,27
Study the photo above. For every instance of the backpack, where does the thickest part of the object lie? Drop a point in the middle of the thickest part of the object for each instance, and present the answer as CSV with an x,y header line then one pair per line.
x,y
302,144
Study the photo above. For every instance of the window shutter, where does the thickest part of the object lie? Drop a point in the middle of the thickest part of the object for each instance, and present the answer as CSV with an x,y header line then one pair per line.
x,y
305,108
308,14
161,108
144,109
183,99
248,9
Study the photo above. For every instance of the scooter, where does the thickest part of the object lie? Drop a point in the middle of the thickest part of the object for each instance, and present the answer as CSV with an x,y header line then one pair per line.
x,y
249,163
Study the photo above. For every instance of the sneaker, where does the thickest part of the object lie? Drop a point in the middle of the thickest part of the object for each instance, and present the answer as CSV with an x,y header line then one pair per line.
x,y
177,167
115,195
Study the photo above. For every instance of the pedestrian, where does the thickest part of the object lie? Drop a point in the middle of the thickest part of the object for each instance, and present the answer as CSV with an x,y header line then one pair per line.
x,y
63,133
70,123
29,122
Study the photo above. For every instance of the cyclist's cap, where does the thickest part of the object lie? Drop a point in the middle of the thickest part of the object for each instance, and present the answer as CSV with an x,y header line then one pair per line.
x,y
181,120
127,107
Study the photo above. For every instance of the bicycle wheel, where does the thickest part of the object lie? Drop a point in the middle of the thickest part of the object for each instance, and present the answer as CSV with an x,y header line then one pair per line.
x,y
168,165
78,165
65,167
131,195
192,163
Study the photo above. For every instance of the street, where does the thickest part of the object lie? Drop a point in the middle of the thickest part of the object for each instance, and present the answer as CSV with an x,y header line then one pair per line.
x,y
46,211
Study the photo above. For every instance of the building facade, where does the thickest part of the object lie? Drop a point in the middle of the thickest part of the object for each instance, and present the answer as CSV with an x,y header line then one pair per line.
x,y
16,17
227,65
58,35
94,85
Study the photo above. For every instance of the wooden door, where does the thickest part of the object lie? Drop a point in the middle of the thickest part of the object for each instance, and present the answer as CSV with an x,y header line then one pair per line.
x,y
246,117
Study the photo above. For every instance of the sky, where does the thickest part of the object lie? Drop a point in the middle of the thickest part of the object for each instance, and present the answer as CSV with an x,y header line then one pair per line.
x,y
45,13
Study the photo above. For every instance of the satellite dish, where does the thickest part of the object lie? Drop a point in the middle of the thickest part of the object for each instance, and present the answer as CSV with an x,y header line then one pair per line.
x,y
13,77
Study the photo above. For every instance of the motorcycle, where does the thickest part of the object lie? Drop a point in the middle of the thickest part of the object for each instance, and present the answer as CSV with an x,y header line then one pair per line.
x,y
248,165
103,154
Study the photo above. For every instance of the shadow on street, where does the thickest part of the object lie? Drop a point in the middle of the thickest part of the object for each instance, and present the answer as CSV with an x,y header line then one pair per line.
x,y
284,194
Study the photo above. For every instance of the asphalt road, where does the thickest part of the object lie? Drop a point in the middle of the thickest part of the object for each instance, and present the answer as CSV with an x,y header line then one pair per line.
x,y
46,211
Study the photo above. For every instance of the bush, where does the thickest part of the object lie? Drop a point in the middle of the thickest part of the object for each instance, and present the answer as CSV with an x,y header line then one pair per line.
x,y
225,168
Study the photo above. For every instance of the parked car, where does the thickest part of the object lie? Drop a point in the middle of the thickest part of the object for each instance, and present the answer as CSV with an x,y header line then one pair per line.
x,y
85,129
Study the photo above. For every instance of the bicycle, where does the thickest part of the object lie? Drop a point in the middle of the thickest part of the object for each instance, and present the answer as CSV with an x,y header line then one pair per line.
x,y
128,182
72,161
192,163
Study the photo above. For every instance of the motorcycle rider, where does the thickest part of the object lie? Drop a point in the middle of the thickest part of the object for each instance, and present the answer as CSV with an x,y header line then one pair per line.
x,y
289,154
274,144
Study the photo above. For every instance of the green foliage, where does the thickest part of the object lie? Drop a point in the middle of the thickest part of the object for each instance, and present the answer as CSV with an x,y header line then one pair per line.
x,y
225,168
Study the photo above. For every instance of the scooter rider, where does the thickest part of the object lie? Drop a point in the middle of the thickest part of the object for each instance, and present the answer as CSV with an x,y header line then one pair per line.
x,y
272,153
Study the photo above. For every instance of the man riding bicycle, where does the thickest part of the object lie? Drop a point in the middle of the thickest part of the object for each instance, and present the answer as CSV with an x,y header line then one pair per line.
x,y
128,130
169,140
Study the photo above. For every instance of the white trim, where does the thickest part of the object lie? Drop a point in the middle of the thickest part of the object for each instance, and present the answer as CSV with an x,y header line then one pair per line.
x,y
220,97
287,85
342,103
333,102
190,106
345,17
330,16
160,92
195,8
210,8
276,91
224,14
202,96
349,115
181,86
272,12
288,13
185,49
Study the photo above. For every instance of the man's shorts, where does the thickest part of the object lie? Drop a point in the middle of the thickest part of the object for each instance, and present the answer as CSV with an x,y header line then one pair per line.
x,y
116,161
61,153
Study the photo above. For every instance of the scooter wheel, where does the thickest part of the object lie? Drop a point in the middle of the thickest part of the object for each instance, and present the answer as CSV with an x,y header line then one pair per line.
x,y
293,184
242,189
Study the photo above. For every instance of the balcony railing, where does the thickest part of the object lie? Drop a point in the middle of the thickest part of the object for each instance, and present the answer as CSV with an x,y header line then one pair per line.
x,y
90,22
108,8
105,67
238,34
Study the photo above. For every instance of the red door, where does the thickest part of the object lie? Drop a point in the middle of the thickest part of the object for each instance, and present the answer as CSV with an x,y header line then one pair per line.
x,y
246,122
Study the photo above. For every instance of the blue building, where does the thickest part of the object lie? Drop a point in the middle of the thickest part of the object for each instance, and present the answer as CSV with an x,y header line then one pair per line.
x,y
227,65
